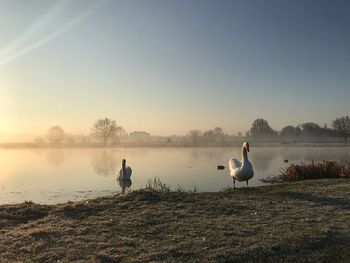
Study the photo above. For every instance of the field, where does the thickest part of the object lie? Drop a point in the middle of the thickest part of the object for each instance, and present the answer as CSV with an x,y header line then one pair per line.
x,y
306,221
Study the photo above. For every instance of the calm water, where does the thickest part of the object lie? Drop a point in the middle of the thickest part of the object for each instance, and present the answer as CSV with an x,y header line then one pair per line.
x,y
58,175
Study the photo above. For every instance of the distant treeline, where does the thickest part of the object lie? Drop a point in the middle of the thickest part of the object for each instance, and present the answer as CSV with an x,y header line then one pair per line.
x,y
304,132
262,131
106,132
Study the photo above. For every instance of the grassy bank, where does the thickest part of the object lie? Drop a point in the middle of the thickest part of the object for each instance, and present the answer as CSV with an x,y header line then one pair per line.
x,y
294,222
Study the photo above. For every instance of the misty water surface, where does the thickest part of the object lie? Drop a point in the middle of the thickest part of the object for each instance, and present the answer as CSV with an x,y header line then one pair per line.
x,y
59,175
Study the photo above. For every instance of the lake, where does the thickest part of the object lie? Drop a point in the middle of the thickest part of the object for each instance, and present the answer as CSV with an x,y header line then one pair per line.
x,y
53,176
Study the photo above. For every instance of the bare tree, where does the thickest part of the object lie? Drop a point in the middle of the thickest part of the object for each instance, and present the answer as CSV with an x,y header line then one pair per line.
x,y
342,126
119,134
39,140
290,131
194,135
261,128
56,134
105,129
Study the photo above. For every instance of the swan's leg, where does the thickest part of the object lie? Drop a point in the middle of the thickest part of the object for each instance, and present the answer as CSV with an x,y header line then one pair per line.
x,y
247,183
234,183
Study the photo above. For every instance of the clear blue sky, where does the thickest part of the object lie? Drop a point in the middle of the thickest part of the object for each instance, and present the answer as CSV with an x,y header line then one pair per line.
x,y
170,66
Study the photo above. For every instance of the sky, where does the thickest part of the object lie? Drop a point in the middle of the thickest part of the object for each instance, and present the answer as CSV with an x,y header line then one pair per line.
x,y
166,66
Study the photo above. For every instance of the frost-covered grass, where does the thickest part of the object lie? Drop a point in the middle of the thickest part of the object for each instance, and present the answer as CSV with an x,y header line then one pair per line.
x,y
305,221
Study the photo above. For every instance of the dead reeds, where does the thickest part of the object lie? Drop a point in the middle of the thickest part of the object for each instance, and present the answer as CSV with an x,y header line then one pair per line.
x,y
310,171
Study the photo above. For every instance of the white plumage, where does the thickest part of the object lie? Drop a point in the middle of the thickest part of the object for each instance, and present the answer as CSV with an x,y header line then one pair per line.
x,y
125,172
241,170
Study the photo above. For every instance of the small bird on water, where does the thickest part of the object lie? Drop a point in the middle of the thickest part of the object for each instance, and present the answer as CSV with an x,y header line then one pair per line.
x,y
221,167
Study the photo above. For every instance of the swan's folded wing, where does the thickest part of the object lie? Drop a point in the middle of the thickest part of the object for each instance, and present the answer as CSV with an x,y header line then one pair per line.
x,y
234,164
129,172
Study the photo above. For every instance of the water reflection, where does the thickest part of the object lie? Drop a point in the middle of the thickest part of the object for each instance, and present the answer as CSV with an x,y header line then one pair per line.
x,y
75,172
55,157
306,154
125,185
106,162
262,158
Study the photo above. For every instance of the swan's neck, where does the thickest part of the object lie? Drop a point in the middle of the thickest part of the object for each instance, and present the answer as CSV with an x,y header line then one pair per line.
x,y
244,155
123,167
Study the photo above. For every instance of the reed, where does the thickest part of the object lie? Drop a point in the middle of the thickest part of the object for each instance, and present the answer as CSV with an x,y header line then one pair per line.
x,y
313,170
155,185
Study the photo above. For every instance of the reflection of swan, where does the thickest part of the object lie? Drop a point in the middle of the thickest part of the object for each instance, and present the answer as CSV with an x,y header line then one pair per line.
x,y
124,184
125,171
241,171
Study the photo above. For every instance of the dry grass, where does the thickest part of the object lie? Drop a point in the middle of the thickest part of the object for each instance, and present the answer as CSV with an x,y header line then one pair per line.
x,y
311,171
156,185
306,221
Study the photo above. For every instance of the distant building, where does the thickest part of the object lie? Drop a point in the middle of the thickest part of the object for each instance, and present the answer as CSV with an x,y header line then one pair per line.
x,y
139,136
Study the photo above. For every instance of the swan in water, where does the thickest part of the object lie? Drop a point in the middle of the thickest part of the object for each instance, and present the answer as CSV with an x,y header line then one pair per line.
x,y
241,170
125,171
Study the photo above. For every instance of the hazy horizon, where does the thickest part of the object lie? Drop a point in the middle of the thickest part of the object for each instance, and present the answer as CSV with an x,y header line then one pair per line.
x,y
167,67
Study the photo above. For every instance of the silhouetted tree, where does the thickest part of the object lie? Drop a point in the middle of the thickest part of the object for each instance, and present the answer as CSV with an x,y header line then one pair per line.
x,y
208,136
218,131
214,135
219,134
194,135
261,128
342,126
39,140
311,129
120,131
105,129
290,131
56,134
119,134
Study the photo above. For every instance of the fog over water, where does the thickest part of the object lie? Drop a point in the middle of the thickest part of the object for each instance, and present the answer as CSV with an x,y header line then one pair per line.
x,y
59,175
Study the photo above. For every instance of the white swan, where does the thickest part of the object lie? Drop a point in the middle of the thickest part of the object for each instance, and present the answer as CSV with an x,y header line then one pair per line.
x,y
125,185
125,171
241,171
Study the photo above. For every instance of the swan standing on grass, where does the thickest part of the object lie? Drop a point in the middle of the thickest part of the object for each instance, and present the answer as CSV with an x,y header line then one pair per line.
x,y
241,171
125,171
